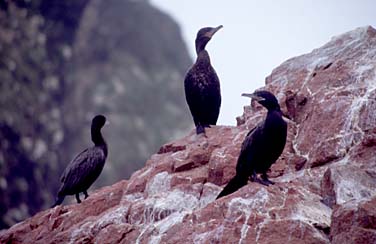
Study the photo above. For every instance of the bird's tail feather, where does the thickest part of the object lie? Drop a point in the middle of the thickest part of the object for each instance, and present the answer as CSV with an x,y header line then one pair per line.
x,y
59,200
233,185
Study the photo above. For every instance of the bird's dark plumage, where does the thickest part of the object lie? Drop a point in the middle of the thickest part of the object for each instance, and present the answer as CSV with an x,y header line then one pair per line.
x,y
261,147
202,88
85,168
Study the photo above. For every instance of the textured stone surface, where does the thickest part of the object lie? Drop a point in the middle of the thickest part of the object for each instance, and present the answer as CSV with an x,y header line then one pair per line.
x,y
325,178
128,62
62,62
354,222
32,87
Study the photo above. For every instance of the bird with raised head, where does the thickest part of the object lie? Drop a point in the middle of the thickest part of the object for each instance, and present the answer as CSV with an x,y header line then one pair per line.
x,y
201,84
261,147
86,167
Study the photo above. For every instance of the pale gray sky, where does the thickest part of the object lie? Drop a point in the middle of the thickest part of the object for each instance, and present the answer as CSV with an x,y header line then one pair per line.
x,y
259,35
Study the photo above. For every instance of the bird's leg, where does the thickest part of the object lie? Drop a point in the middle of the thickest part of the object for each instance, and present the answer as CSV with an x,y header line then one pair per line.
x,y
264,176
253,176
200,129
78,197
86,195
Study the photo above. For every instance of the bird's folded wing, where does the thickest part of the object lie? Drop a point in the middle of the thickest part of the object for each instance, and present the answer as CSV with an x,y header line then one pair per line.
x,y
82,166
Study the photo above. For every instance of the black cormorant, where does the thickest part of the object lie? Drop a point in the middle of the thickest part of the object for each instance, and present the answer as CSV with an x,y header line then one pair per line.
x,y
261,147
202,88
85,168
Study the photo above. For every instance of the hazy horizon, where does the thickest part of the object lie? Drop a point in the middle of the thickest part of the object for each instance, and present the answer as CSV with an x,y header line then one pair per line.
x,y
258,36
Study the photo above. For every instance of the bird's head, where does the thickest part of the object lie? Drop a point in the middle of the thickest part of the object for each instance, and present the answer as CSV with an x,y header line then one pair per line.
x,y
265,98
98,121
204,35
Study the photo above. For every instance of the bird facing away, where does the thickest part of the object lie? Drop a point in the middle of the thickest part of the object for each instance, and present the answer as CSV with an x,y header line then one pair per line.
x,y
85,168
201,83
261,147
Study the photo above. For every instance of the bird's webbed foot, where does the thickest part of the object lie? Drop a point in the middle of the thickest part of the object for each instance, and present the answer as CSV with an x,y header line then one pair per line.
x,y
264,176
263,181
86,195
78,198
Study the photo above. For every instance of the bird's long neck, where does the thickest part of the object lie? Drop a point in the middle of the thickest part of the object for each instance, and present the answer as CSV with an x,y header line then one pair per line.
x,y
200,45
203,57
97,138
274,116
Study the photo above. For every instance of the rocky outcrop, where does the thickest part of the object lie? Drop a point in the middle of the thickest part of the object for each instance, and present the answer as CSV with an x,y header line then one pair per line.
x,y
325,190
354,222
128,62
62,62
31,96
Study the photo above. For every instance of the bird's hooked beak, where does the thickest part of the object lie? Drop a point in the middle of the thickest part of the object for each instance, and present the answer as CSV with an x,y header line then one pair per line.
x,y
253,96
211,33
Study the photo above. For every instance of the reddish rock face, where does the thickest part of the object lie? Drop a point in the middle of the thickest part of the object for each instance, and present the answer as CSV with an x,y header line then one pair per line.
x,y
326,176
354,222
